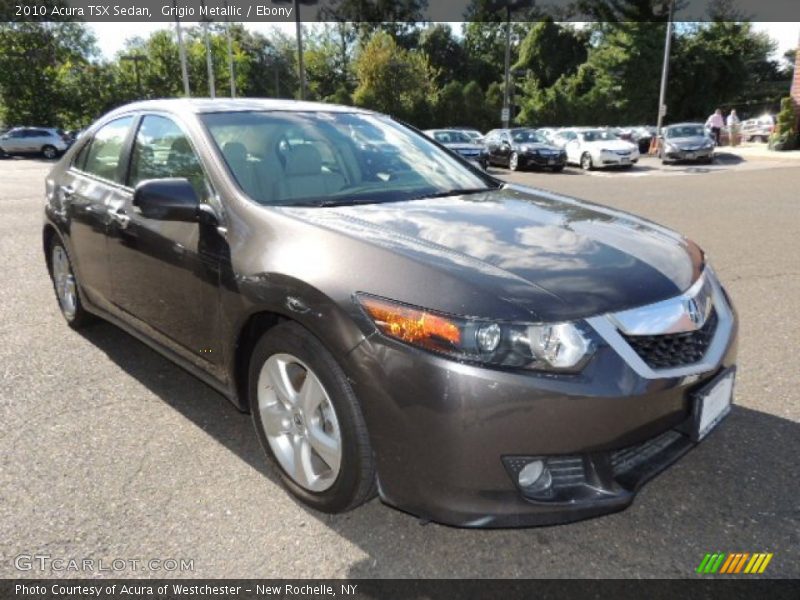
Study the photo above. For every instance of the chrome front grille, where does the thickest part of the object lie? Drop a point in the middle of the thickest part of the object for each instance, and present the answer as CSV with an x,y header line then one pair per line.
x,y
674,349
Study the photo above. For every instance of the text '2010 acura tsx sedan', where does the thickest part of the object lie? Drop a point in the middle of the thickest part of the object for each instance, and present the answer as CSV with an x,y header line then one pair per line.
x,y
398,322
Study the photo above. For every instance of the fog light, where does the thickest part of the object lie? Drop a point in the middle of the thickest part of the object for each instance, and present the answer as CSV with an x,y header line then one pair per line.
x,y
534,477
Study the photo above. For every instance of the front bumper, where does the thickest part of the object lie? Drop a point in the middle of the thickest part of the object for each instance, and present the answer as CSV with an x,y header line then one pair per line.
x,y
442,431
543,161
616,159
690,155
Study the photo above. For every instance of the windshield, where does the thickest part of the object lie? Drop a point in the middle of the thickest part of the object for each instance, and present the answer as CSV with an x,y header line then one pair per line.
x,y
528,136
598,135
685,131
328,158
451,137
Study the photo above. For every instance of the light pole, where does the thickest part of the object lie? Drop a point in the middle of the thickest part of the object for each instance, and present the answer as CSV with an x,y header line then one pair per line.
x,y
662,95
135,59
212,92
181,52
230,52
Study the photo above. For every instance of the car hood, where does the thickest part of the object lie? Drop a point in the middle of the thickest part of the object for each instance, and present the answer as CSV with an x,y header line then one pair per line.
x,y
468,147
691,142
556,257
539,146
611,144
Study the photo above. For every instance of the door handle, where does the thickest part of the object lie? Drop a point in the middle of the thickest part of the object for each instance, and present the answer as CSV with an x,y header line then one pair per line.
x,y
120,218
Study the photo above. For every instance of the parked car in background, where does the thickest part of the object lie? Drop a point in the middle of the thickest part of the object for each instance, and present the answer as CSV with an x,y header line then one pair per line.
x,y
521,148
474,352
598,148
548,133
45,141
475,135
458,141
686,142
757,130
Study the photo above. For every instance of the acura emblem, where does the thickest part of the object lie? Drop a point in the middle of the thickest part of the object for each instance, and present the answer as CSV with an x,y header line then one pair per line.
x,y
694,312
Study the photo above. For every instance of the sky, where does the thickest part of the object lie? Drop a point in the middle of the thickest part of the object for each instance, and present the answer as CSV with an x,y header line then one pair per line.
x,y
111,36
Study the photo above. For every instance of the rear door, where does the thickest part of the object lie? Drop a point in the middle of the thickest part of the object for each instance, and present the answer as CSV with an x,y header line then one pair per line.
x,y
165,274
15,141
92,183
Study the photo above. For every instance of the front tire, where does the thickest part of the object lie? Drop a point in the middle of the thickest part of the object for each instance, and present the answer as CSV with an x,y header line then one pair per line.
x,y
65,285
309,421
513,161
586,162
49,152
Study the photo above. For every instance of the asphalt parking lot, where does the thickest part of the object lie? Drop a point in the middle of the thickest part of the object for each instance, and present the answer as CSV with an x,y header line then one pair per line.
x,y
109,451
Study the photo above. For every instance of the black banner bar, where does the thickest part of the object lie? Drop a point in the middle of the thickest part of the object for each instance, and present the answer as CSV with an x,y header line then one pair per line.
x,y
397,589
397,11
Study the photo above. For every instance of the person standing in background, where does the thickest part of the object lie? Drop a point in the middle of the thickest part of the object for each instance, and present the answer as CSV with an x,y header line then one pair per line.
x,y
716,122
733,127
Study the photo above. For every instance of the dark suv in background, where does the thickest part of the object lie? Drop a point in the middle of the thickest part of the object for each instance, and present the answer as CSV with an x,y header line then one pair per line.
x,y
397,322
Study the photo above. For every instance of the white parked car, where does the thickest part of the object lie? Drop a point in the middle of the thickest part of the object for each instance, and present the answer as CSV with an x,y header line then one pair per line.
x,y
597,148
47,141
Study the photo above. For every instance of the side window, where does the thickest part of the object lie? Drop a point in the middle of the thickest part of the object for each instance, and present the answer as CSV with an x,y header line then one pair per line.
x,y
79,162
162,150
105,150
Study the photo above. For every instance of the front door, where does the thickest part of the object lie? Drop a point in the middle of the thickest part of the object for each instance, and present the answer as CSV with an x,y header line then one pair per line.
x,y
165,274
92,184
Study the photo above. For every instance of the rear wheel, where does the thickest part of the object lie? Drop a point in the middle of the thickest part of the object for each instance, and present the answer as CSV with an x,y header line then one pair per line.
x,y
586,162
49,152
65,285
309,422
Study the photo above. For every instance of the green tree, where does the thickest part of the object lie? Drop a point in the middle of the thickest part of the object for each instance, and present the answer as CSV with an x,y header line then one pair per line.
x,y
445,52
395,81
550,51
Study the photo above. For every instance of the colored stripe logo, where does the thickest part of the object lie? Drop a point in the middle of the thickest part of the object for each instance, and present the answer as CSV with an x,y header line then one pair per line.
x,y
734,563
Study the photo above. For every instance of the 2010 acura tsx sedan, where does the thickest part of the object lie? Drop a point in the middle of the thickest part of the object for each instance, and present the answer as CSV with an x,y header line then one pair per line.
x,y
397,321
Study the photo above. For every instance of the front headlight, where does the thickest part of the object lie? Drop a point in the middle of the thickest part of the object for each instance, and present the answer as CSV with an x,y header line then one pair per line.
x,y
561,347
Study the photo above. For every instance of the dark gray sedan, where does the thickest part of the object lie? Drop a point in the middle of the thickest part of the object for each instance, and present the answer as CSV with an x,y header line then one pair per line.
x,y
686,142
398,322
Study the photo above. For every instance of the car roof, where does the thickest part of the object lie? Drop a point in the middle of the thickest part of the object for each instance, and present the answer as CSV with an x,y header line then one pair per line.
x,y
686,125
208,105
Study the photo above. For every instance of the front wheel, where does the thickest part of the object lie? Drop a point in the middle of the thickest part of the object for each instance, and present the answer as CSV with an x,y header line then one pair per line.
x,y
513,161
49,152
309,421
586,162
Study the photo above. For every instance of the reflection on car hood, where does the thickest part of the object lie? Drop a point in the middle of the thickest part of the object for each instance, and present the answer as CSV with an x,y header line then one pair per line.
x,y
468,147
556,257
539,146
611,144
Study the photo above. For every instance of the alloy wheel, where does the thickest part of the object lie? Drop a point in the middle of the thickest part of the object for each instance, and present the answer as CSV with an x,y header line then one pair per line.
x,y
49,152
513,161
300,422
586,161
64,282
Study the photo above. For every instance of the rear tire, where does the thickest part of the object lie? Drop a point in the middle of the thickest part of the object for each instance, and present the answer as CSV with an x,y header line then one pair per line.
x,y
65,285
309,421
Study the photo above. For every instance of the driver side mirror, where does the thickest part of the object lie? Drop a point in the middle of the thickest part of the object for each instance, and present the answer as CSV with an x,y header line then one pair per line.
x,y
167,200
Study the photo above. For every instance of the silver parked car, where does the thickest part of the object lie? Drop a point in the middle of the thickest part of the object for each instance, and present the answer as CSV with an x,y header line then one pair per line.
x,y
46,141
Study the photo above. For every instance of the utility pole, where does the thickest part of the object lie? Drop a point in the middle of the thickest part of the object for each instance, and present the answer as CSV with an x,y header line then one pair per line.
x,y
506,112
230,52
662,95
181,52
300,66
136,59
212,93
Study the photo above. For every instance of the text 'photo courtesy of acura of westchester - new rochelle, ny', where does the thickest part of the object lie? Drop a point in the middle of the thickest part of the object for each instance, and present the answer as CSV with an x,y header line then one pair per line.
x,y
398,322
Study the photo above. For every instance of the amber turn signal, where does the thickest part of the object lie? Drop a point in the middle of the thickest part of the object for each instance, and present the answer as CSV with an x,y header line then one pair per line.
x,y
411,325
